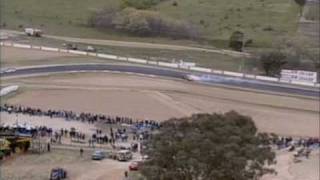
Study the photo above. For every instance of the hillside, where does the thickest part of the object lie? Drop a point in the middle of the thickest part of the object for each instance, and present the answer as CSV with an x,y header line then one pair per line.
x,y
261,20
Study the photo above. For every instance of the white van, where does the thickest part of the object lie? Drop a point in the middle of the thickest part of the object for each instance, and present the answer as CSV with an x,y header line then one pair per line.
x,y
124,155
33,32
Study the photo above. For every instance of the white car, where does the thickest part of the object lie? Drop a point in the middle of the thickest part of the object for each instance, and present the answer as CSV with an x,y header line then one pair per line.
x,y
7,70
192,77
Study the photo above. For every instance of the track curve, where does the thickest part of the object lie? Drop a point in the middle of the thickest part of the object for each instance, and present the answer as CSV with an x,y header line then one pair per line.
x,y
214,79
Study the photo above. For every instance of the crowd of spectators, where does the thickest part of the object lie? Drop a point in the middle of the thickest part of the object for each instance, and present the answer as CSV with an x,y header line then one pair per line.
x,y
83,117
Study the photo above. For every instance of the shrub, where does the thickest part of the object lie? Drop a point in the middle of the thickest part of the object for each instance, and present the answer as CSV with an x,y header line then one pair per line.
x,y
142,22
268,28
272,62
236,41
139,4
174,3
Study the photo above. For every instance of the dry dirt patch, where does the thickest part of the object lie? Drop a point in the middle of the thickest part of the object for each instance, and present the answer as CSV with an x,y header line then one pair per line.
x,y
160,99
17,54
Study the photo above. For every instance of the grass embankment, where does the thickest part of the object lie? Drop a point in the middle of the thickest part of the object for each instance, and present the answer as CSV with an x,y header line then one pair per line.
x,y
261,20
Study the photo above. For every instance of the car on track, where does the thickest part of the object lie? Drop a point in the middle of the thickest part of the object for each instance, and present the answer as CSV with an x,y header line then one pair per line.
x,y
191,77
98,155
7,70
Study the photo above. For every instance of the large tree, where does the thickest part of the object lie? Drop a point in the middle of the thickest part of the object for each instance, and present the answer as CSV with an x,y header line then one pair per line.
x,y
272,62
208,147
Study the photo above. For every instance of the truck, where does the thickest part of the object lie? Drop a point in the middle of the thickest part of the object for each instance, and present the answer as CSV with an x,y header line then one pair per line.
x,y
33,32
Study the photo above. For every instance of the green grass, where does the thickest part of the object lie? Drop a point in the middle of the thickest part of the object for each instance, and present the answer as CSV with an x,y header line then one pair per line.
x,y
203,59
312,13
220,18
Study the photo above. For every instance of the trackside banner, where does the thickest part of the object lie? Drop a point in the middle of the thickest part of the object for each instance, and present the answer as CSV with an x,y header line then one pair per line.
x,y
298,75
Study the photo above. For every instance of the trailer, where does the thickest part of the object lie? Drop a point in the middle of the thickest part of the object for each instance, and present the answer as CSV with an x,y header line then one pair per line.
x,y
33,32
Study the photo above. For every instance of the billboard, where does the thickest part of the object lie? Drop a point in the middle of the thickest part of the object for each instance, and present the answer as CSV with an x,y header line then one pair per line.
x,y
298,75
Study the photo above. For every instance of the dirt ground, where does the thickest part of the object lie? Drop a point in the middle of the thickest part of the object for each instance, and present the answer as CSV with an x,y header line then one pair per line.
x,y
22,55
287,169
78,168
160,99
17,57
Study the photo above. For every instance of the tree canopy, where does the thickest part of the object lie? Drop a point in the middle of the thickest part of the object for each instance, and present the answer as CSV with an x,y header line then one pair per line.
x,y
272,62
208,146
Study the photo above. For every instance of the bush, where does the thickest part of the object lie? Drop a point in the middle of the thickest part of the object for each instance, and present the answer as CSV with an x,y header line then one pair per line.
x,y
142,22
175,3
272,62
139,4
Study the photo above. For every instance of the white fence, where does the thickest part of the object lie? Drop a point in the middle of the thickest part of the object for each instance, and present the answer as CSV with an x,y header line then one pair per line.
x,y
229,73
159,63
7,90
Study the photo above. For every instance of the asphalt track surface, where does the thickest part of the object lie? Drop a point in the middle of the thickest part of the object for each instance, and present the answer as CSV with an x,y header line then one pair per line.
x,y
209,79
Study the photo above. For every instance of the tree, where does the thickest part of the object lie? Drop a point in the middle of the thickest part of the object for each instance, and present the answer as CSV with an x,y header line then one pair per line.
x,y
272,62
236,41
301,4
208,146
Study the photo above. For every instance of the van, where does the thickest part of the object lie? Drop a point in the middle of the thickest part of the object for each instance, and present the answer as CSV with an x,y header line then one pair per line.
x,y
124,155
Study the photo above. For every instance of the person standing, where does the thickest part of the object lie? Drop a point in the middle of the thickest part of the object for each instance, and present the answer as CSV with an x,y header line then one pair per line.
x,y
81,152
126,176
48,147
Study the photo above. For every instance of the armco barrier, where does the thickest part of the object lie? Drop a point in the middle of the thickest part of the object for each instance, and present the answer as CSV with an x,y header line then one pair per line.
x,y
266,78
49,49
217,71
21,45
137,60
107,56
153,62
78,52
284,81
92,54
64,50
165,64
122,58
7,90
229,73
35,47
302,83
201,69
7,44
249,76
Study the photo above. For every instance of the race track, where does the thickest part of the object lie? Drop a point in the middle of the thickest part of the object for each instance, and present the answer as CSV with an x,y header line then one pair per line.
x,y
213,80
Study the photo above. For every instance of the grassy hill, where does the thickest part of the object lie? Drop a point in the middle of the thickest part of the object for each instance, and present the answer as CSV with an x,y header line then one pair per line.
x,y
261,20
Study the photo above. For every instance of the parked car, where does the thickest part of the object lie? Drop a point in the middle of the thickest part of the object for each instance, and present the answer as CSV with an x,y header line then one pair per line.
x,y
135,165
124,155
58,174
70,46
98,155
91,49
